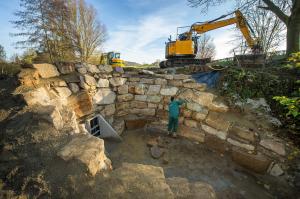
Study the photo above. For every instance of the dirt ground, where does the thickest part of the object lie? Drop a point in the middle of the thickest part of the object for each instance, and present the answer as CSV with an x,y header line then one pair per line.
x,y
196,162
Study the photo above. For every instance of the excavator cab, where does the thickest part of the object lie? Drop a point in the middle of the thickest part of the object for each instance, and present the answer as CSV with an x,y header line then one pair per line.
x,y
114,59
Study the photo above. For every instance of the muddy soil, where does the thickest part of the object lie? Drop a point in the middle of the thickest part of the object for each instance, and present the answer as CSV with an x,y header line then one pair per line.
x,y
195,162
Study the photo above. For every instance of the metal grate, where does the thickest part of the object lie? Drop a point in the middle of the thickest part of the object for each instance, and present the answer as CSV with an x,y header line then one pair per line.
x,y
95,127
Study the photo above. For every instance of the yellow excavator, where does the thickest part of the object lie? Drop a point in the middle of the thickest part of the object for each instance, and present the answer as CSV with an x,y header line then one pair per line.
x,y
183,50
112,58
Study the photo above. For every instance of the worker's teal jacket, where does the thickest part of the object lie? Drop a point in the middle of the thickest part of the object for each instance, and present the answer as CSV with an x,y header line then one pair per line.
x,y
174,108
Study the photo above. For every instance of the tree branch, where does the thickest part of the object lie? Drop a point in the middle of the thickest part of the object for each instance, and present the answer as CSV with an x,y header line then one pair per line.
x,y
277,11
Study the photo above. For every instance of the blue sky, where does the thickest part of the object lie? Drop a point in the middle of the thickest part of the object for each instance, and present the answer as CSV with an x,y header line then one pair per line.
x,y
136,28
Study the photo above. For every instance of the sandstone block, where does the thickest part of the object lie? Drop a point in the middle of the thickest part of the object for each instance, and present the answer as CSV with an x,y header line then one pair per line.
x,y
191,133
140,89
195,107
92,68
140,98
220,134
169,91
176,83
248,147
255,162
168,77
125,97
123,89
63,92
216,143
117,81
181,76
104,96
88,150
218,107
81,103
105,68
29,77
153,89
144,111
103,83
215,120
146,81
200,116
274,146
66,69
197,86
37,96
108,110
134,79
242,132
46,70
82,70
160,81
139,104
151,105
89,80
123,106
153,98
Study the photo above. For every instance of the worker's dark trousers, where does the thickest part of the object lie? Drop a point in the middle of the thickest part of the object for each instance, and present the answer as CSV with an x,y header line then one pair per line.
x,y
173,124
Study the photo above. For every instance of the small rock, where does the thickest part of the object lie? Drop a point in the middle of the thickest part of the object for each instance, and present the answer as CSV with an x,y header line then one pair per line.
x,y
156,152
276,170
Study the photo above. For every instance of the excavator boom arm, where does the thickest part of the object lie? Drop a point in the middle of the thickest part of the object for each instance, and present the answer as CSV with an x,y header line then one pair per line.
x,y
239,20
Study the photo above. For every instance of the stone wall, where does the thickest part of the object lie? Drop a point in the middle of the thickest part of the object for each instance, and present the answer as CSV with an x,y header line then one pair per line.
x,y
136,98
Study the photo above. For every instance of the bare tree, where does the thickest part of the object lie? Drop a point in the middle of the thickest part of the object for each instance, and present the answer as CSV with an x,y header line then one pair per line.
x,y
290,17
2,54
266,26
206,47
63,28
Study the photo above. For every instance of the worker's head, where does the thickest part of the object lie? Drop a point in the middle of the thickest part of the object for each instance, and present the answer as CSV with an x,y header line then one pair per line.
x,y
172,98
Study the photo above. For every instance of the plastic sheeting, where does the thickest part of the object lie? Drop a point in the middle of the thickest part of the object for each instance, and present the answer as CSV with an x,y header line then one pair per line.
x,y
209,78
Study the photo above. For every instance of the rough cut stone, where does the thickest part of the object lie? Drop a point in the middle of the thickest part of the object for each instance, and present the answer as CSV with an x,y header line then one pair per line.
x,y
125,97
74,87
218,107
123,105
139,104
154,98
191,123
160,81
146,81
103,83
151,105
191,133
92,68
197,86
88,150
181,76
109,110
274,146
177,83
220,134
37,96
52,115
119,126
153,89
46,70
105,69
123,89
29,77
66,69
140,98
63,92
90,80
134,79
82,70
81,103
255,162
188,81
195,107
168,77
200,116
217,121
117,81
140,89
242,132
169,91
104,96
241,145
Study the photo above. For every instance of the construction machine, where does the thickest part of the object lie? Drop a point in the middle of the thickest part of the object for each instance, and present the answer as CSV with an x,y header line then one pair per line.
x,y
112,58
183,50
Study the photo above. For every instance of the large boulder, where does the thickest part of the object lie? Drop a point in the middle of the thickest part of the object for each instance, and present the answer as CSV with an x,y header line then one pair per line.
x,y
81,103
89,151
195,107
46,70
104,96
37,96
217,121
29,77
182,188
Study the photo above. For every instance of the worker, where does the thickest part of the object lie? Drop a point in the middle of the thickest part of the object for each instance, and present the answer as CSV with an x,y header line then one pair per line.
x,y
174,115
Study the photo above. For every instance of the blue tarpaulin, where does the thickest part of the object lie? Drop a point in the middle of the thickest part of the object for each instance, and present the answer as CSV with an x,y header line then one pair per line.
x,y
209,78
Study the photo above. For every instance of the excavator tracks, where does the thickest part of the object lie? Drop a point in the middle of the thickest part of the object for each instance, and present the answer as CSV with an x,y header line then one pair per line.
x,y
181,62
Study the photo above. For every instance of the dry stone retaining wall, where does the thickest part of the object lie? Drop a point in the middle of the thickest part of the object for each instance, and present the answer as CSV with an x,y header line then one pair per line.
x,y
132,99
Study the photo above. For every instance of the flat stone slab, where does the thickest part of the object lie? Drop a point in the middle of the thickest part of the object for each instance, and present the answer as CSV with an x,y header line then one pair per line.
x,y
273,145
